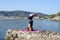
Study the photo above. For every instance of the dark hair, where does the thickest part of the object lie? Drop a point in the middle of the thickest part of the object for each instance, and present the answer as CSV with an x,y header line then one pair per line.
x,y
30,18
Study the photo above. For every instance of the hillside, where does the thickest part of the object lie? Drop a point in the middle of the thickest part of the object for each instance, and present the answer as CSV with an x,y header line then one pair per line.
x,y
55,16
19,13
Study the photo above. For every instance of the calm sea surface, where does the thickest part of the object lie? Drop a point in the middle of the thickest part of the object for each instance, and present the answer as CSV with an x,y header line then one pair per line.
x,y
6,24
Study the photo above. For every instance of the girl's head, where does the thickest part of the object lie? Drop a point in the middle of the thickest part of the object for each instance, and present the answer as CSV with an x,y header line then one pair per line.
x,y
31,16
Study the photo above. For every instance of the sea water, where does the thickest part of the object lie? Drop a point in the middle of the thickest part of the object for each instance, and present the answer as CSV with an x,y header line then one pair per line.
x,y
38,24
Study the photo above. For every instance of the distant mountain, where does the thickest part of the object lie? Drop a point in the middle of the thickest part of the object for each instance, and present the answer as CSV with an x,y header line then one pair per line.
x,y
19,13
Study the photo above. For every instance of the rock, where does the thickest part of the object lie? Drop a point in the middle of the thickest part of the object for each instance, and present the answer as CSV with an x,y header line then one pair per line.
x,y
57,18
41,35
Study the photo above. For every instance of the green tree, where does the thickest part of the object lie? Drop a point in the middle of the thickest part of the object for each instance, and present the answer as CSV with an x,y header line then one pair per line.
x,y
52,16
58,14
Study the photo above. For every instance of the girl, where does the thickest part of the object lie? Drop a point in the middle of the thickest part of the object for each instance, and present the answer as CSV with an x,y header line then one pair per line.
x,y
30,25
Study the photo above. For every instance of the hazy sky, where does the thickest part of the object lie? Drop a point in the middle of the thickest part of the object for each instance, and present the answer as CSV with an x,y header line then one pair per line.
x,y
43,6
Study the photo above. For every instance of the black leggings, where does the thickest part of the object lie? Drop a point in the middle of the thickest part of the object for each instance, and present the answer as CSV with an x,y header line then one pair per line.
x,y
31,25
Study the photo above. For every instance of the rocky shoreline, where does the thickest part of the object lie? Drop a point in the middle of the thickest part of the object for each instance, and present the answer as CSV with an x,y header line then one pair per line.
x,y
41,35
57,18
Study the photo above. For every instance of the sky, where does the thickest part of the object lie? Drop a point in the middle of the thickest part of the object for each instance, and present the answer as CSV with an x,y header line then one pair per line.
x,y
43,6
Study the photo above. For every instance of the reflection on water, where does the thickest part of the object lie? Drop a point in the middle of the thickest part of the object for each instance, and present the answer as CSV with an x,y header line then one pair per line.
x,y
22,24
